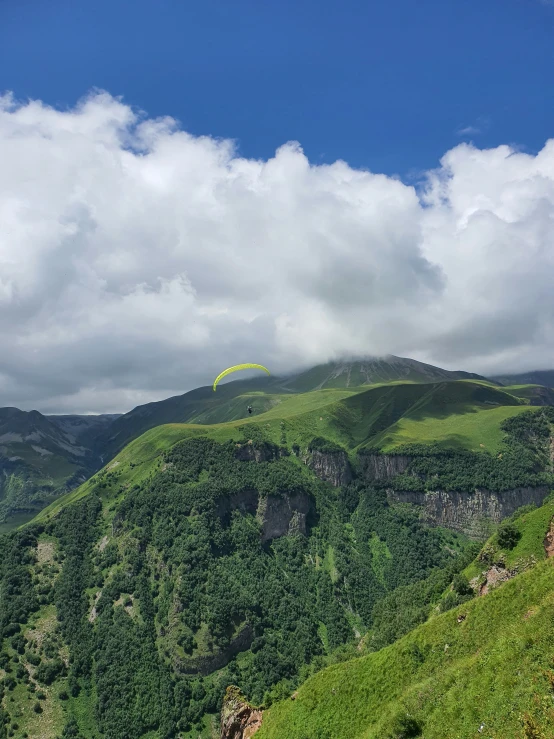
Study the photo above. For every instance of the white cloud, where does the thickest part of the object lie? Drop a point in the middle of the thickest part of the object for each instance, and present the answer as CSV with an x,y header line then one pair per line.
x,y
468,131
137,260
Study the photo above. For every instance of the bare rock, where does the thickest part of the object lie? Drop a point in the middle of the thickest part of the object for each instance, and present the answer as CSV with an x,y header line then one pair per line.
x,y
333,467
239,720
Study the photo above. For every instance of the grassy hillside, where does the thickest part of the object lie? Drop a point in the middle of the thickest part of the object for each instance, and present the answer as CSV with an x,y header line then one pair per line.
x,y
455,415
486,663
76,446
231,399
532,394
371,371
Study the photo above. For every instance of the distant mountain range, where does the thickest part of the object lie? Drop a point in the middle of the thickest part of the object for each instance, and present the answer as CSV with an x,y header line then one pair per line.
x,y
43,456
539,377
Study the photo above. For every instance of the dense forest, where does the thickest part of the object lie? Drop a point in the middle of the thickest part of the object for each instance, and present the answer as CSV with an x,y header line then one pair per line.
x,y
167,592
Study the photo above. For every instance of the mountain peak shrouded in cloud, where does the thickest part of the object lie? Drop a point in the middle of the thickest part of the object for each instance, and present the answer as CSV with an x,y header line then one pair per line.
x,y
137,260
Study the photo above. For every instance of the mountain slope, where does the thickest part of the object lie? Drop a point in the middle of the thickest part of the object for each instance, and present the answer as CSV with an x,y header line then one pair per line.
x,y
458,414
214,568
230,401
487,663
461,415
42,456
372,371
204,556
83,429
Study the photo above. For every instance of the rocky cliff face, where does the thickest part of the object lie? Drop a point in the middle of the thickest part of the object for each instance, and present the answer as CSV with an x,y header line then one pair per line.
x,y
284,515
261,452
332,467
469,512
278,515
239,720
383,466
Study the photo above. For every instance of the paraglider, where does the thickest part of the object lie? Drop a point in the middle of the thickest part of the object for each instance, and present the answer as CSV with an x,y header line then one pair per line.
x,y
239,367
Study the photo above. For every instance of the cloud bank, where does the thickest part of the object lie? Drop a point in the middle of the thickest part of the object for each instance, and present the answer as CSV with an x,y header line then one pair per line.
x,y
137,261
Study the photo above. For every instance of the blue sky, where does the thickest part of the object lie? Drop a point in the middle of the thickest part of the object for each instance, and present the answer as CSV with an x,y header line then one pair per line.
x,y
134,259
384,85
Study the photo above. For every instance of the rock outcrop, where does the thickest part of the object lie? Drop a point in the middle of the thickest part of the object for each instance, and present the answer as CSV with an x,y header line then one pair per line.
x,y
282,515
239,720
333,467
260,452
549,541
383,466
279,515
469,512
495,576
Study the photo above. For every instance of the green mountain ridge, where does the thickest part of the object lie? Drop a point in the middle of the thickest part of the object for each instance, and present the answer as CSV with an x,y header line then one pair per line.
x,y
84,443
204,556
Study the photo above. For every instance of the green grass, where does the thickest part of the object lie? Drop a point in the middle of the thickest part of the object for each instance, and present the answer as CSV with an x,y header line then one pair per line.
x,y
380,555
492,671
473,428
329,564
491,668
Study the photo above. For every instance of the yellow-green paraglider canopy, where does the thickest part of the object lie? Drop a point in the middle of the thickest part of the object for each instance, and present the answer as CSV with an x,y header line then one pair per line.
x,y
239,367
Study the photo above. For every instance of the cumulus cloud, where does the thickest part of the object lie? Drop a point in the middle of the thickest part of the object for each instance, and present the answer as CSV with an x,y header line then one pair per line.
x,y
137,260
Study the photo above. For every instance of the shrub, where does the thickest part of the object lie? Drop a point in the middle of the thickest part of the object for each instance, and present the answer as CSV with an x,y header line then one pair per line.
x,y
461,585
404,726
508,536
47,672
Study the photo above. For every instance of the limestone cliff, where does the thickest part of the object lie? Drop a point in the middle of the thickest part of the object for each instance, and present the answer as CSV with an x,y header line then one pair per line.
x,y
260,452
281,515
383,466
469,512
239,720
333,467
278,515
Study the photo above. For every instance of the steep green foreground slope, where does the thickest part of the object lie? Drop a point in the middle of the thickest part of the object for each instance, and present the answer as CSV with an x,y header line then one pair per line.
x,y
487,663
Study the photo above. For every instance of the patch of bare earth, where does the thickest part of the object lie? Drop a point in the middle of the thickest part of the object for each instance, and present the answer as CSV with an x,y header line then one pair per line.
x,y
113,464
92,615
45,551
103,544
549,541
494,577
44,626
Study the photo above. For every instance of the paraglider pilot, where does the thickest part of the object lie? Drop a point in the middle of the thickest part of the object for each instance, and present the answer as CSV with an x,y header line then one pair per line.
x,y
249,409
